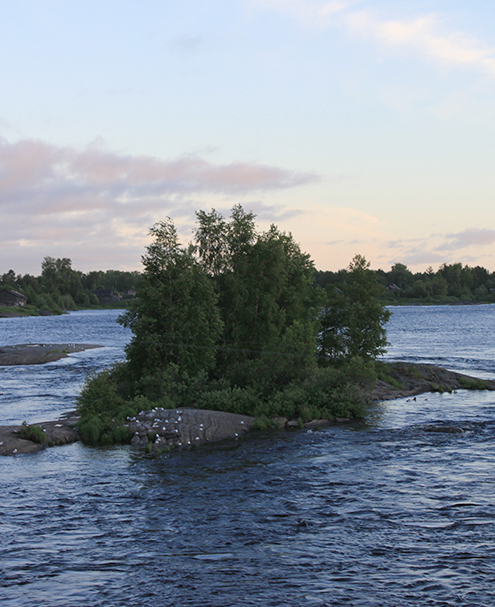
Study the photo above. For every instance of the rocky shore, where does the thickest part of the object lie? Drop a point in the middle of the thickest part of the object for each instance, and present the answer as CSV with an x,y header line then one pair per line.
x,y
162,430
58,432
37,354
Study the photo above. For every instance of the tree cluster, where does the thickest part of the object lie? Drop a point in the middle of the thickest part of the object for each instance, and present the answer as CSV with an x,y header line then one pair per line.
x,y
234,321
60,287
450,283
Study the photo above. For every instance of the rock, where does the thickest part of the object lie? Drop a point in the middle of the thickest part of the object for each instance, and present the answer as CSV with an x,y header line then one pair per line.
x,y
292,424
416,379
35,354
168,429
58,432
315,423
443,428
279,422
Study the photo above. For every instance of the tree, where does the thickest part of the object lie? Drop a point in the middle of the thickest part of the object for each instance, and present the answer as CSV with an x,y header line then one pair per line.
x,y
400,275
353,319
58,278
265,288
174,319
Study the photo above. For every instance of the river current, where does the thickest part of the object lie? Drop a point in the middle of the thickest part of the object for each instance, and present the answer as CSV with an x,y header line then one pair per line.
x,y
381,513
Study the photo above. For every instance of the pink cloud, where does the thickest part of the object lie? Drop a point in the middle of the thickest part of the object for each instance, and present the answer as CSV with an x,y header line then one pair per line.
x,y
467,238
58,178
68,198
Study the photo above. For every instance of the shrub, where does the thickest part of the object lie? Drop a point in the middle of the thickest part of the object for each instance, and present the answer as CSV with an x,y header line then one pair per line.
x,y
473,384
32,433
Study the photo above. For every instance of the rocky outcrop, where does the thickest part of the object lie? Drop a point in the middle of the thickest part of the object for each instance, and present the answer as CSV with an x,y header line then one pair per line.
x,y
165,429
59,432
36,354
410,379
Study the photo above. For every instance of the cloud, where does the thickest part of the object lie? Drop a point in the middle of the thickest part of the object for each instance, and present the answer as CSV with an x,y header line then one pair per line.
x,y
415,258
471,237
425,35
61,197
441,248
46,178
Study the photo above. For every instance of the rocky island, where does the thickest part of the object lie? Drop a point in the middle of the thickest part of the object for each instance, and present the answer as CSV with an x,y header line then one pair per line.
x,y
162,430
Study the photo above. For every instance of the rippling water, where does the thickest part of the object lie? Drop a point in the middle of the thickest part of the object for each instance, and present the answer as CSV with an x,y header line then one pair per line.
x,y
381,513
41,392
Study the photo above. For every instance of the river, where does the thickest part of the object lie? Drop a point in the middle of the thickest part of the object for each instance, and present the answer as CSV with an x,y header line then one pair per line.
x,y
380,513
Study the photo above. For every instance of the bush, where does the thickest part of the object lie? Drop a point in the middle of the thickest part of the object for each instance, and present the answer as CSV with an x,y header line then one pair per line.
x,y
473,384
104,410
32,433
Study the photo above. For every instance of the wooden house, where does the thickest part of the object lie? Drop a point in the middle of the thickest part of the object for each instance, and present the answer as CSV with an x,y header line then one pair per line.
x,y
12,298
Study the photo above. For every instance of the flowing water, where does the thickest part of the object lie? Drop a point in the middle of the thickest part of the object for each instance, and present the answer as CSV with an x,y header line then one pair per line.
x,y
380,513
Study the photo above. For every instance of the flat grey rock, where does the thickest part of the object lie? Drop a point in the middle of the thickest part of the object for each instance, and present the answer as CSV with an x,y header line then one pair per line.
x,y
37,354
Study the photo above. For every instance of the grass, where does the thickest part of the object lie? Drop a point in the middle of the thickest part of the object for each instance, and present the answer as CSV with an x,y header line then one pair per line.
x,y
383,373
32,433
473,384
19,310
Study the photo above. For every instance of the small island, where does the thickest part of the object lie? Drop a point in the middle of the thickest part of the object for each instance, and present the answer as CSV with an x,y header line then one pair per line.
x,y
163,430
231,333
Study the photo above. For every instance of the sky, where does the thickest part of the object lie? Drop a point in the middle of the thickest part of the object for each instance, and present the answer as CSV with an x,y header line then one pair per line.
x,y
361,127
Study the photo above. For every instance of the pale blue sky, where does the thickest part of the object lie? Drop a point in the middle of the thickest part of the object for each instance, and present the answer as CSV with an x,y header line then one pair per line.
x,y
360,126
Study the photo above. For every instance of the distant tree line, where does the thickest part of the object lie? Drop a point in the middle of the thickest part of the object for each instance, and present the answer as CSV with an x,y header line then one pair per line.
x,y
449,284
60,287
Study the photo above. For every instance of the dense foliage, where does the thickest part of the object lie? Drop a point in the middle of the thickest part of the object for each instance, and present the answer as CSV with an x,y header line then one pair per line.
x,y
234,322
60,287
451,283
353,319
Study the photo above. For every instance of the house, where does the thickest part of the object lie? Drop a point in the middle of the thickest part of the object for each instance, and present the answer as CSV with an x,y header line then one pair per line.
x,y
12,298
106,295
129,294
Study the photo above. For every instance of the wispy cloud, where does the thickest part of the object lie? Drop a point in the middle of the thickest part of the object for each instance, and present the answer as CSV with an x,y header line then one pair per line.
x,y
471,237
427,35
439,248
54,195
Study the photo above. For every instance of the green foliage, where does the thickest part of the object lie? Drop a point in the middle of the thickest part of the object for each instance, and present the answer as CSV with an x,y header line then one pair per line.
x,y
449,284
175,319
18,310
103,409
265,288
473,384
383,374
353,318
231,324
32,433
440,388
58,278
